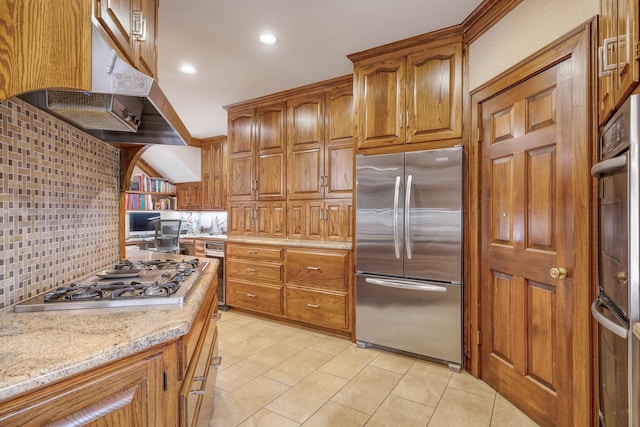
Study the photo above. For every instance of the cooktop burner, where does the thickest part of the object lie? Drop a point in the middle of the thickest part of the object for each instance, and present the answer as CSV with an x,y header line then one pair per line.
x,y
155,282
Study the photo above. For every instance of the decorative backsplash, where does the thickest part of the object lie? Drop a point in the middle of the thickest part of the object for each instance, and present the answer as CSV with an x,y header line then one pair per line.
x,y
58,202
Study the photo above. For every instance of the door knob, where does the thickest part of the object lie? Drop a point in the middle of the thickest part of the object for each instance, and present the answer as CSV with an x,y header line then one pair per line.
x,y
621,277
558,273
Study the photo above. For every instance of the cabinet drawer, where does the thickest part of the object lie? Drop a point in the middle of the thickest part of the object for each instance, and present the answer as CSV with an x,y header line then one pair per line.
x,y
319,307
318,269
267,299
255,252
251,270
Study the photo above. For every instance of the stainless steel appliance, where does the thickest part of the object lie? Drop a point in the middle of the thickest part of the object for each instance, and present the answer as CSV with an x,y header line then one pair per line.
x,y
409,253
215,249
155,282
617,307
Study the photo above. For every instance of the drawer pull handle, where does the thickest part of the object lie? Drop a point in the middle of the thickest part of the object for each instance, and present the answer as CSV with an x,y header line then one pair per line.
x,y
313,268
196,392
252,252
313,305
199,379
216,316
216,361
251,295
251,270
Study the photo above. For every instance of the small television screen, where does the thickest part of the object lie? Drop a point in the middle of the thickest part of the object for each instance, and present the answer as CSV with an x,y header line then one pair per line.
x,y
142,223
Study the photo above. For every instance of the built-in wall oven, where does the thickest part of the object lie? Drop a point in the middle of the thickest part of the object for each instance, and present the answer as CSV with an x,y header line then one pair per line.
x,y
618,304
215,249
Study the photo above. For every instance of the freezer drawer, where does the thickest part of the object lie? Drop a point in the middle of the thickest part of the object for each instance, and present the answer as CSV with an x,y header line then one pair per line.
x,y
423,318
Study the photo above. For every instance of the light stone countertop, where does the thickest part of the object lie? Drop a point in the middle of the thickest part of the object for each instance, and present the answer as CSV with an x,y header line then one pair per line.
x,y
321,244
41,347
636,330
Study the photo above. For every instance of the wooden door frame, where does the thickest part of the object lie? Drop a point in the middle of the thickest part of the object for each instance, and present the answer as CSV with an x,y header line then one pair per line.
x,y
578,45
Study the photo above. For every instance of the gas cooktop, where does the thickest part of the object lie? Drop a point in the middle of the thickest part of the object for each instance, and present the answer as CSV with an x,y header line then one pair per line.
x,y
156,282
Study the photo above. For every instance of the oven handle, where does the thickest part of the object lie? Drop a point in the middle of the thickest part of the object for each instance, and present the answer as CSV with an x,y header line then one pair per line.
x,y
609,166
606,323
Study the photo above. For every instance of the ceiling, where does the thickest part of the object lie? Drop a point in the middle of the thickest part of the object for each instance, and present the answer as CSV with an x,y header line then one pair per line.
x,y
219,38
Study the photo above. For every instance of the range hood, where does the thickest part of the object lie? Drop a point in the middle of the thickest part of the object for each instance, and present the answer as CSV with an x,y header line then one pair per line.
x,y
123,106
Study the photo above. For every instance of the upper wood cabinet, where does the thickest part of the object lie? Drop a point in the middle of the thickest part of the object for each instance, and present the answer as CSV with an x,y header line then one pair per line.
x,y
257,152
412,95
618,67
189,195
214,179
320,144
132,24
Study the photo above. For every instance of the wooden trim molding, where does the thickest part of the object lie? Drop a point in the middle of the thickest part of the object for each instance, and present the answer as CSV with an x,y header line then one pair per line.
x,y
486,16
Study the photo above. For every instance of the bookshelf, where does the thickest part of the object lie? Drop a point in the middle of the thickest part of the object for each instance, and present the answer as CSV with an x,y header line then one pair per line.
x,y
150,194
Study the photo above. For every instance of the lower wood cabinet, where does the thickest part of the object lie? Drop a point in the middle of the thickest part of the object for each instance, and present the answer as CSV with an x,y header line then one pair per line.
x,y
305,285
168,385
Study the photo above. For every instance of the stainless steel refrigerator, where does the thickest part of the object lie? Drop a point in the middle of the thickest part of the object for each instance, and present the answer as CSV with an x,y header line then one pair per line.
x,y
409,253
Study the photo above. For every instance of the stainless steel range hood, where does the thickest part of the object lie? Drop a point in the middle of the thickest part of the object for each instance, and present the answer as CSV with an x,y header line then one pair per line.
x,y
123,106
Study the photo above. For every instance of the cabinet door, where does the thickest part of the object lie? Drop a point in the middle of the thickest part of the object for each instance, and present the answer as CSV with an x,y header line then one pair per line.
x,y
212,178
305,136
241,219
434,94
338,220
380,103
271,219
606,87
314,220
241,152
131,395
270,161
338,180
207,182
626,75
145,45
296,220
115,17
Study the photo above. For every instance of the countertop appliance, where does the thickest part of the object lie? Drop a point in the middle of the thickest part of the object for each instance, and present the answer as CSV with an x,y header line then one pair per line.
x,y
617,307
409,253
155,282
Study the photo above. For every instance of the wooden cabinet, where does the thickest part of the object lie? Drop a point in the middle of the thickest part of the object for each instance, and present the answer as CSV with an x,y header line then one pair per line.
x,y
127,393
409,96
214,193
320,144
254,278
257,151
201,361
131,24
618,56
189,195
308,286
320,220
200,247
264,219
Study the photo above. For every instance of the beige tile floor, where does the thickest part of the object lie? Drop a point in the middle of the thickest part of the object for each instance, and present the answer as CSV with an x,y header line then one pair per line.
x,y
274,374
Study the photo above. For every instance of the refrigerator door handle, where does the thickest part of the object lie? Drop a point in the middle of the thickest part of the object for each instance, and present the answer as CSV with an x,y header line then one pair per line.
x,y
407,217
405,285
606,323
396,237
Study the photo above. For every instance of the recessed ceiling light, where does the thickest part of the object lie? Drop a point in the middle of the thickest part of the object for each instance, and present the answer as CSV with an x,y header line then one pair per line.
x,y
267,39
187,69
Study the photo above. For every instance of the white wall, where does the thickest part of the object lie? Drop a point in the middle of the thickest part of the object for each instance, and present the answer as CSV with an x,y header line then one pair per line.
x,y
532,25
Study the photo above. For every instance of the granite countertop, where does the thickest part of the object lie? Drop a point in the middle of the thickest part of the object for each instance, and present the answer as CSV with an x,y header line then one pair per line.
x,y
42,347
636,330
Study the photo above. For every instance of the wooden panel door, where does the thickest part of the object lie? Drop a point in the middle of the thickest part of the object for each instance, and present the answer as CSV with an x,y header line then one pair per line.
x,y
337,220
528,188
305,135
241,152
271,219
271,152
626,75
338,181
145,46
434,94
296,220
380,103
115,17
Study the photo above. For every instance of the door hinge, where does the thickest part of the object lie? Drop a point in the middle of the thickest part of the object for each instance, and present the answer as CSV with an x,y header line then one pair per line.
x,y
479,136
478,337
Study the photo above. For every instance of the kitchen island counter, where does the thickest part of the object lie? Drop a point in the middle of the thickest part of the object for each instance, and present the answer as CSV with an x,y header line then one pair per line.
x,y
40,348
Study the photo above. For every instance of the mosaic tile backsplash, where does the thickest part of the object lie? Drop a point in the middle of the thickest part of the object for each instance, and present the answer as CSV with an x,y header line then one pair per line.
x,y
58,202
